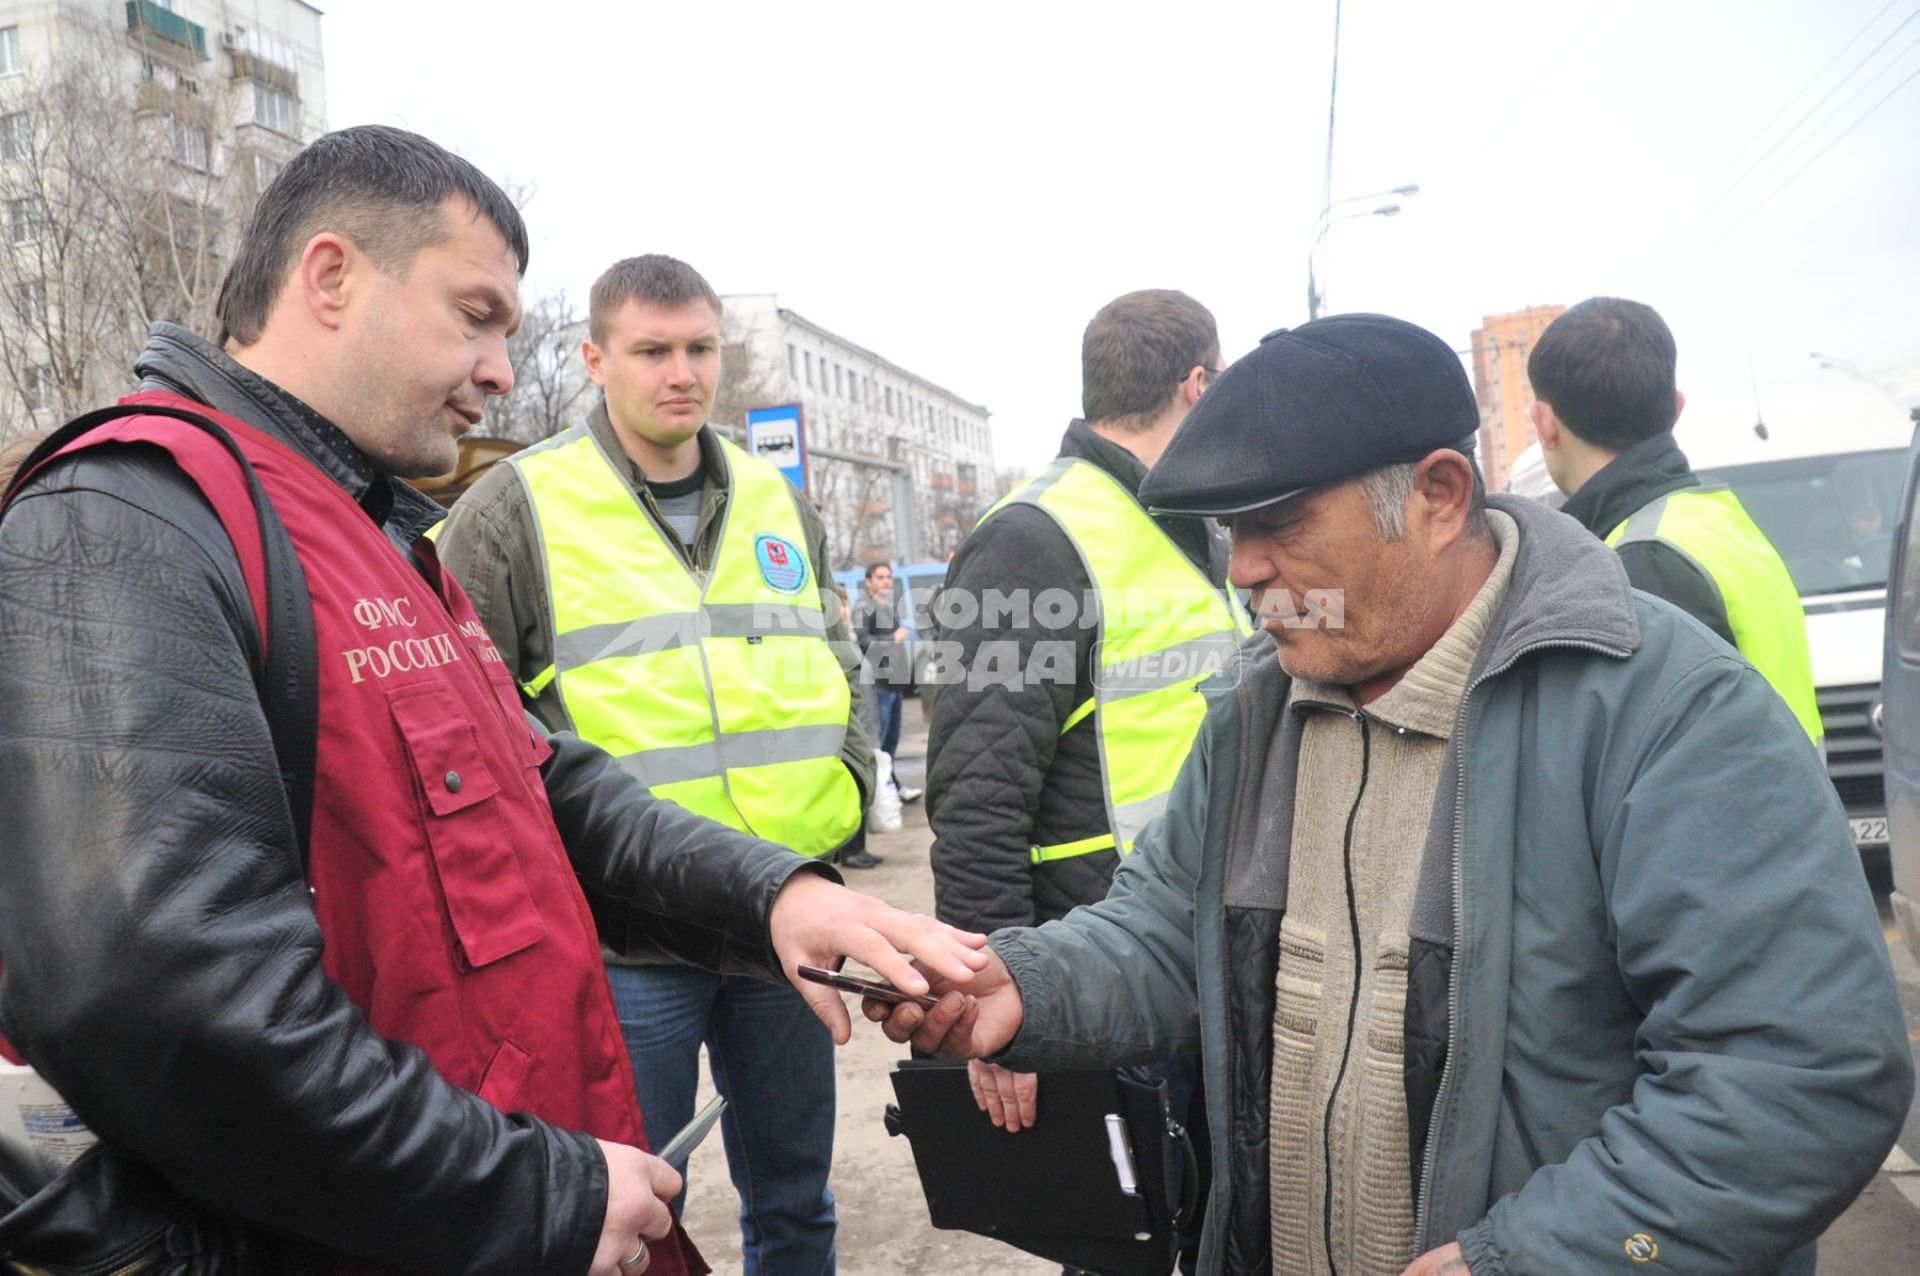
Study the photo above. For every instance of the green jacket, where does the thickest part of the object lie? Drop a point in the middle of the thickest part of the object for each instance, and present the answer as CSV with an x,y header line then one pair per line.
x,y
1648,1001
492,544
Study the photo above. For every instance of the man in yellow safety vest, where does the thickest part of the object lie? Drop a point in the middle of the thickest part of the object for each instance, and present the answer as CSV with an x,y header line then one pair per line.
x,y
1605,405
662,593
1075,628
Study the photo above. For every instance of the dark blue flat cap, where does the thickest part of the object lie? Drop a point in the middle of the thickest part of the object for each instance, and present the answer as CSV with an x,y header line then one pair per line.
x,y
1313,405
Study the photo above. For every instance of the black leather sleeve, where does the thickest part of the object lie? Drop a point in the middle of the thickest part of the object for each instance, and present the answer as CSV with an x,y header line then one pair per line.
x,y
162,960
663,882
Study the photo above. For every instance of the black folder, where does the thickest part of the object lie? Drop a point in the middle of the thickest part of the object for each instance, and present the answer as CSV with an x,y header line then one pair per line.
x,y
1077,1187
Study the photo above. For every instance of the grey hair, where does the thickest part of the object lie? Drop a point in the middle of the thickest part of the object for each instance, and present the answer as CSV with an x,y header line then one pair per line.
x,y
1388,488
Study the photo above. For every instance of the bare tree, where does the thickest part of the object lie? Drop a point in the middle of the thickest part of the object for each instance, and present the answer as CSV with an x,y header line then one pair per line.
x,y
746,381
551,390
117,199
847,493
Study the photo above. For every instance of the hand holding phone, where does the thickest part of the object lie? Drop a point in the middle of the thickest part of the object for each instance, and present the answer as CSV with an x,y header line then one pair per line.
x,y
866,987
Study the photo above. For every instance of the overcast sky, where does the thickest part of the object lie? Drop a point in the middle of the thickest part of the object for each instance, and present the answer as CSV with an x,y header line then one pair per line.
x,y
960,186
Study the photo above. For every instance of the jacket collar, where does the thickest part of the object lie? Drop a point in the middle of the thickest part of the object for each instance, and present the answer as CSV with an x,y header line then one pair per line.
x,y
1636,478
1081,443
711,461
181,361
1201,543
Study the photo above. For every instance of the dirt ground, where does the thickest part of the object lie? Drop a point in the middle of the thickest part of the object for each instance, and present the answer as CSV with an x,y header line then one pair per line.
x,y
883,1215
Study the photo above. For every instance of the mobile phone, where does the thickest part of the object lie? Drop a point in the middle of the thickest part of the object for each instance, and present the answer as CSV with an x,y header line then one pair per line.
x,y
865,987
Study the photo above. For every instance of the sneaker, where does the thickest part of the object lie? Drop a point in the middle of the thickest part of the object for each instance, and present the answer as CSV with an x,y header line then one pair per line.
x,y
860,859
909,794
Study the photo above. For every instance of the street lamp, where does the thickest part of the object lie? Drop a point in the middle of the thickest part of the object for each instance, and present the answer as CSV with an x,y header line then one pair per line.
x,y
1324,222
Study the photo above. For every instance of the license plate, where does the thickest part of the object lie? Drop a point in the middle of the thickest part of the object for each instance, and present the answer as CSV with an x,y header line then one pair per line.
x,y
1870,832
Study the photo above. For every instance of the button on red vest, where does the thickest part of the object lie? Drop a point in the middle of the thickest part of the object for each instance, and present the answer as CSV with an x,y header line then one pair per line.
x,y
451,913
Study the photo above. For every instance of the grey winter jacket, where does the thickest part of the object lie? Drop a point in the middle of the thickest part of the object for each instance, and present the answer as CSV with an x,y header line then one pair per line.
x,y
1649,1004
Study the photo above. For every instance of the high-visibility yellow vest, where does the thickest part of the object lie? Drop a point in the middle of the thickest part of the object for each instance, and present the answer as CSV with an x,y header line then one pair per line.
x,y
719,693
1712,528
1164,628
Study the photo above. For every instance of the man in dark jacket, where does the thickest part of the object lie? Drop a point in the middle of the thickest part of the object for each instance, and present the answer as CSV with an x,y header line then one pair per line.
x,y
1605,405
173,967
880,629
1029,776
1518,927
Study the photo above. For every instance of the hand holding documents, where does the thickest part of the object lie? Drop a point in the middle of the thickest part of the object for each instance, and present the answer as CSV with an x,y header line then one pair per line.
x,y
1105,1133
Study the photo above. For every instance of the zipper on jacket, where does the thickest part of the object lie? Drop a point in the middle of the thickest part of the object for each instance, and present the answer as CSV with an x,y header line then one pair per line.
x,y
1422,1205
1353,1000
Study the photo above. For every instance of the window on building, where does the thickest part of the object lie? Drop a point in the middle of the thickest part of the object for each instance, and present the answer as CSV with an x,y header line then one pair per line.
x,y
164,74
16,136
38,388
10,60
808,356
264,171
23,221
190,145
839,386
793,363
276,109
31,303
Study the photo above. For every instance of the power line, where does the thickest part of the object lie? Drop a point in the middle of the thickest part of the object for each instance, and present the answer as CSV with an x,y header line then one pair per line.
x,y
1911,77
1838,85
1839,110
1788,104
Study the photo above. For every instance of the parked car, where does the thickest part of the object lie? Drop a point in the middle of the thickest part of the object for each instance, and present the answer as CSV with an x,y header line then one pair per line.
x,y
916,585
1832,518
1899,719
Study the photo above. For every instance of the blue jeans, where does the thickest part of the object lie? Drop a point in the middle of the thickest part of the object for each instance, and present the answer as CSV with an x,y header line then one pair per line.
x,y
772,1059
889,703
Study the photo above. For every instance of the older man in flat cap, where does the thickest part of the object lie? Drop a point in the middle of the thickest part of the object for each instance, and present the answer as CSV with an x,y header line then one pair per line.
x,y
1518,927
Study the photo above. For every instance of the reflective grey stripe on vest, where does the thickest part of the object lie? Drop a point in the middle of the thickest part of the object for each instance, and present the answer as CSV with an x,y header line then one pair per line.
x,y
659,633
1129,820
1645,526
1168,667
654,767
1645,523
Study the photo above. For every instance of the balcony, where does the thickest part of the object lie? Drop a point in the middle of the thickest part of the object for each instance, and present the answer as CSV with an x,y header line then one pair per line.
x,y
144,16
249,66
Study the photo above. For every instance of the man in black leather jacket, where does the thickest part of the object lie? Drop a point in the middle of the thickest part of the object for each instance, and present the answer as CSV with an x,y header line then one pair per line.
x,y
163,961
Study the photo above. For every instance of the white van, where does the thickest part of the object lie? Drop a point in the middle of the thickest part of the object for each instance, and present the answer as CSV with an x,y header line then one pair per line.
x,y
1829,500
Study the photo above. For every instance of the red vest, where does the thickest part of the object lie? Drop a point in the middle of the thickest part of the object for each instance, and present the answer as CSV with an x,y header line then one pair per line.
x,y
450,909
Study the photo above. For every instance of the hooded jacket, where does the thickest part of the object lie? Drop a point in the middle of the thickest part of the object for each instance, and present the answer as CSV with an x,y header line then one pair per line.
x,y
1649,1006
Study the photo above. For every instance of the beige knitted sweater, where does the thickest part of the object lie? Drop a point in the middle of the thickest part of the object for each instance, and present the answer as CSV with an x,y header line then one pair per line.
x,y
1339,1120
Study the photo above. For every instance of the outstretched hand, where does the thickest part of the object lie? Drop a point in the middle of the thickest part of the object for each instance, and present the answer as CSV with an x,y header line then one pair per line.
x,y
973,1020
817,922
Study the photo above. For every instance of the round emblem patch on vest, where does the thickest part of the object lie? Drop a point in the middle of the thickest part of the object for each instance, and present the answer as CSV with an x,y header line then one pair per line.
x,y
1642,1248
782,565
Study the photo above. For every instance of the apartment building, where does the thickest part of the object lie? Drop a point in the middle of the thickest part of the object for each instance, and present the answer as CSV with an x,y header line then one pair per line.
x,y
901,468
1500,348
135,137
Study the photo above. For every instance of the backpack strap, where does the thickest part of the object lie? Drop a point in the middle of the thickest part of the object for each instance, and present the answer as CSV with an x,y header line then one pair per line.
x,y
288,676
